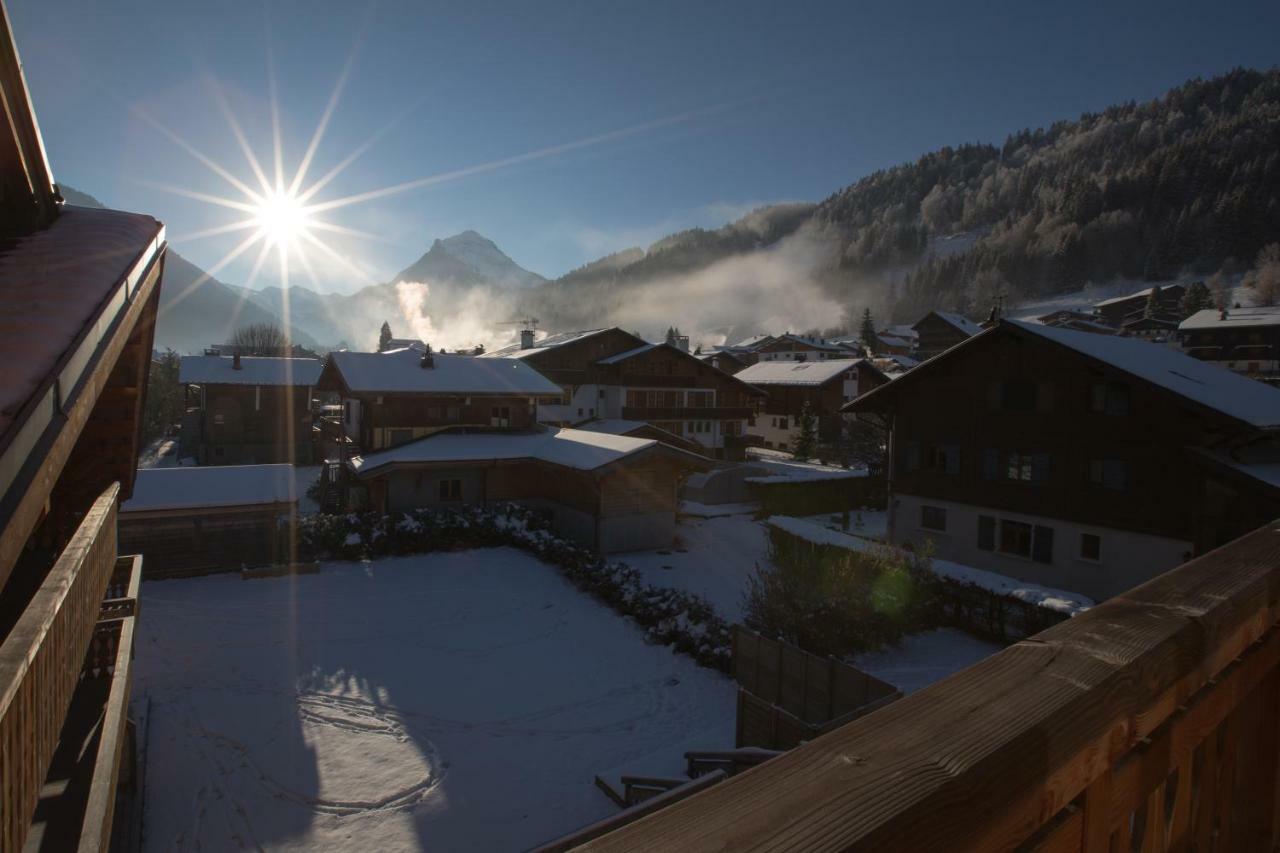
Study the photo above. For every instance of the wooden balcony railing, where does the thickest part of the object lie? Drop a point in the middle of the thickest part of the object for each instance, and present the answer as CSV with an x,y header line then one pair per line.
x,y
1149,723
686,413
41,662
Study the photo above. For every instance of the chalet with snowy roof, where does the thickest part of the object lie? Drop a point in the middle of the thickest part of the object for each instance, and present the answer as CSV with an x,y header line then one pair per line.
x,y
611,374
726,360
245,410
1080,321
823,386
938,331
1166,301
394,397
1080,461
1246,340
80,288
639,429
609,492
789,347
892,340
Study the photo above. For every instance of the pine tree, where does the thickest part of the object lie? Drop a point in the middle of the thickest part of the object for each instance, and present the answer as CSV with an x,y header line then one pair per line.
x,y
868,329
807,442
384,337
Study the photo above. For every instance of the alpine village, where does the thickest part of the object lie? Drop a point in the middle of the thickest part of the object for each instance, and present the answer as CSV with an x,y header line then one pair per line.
x,y
989,564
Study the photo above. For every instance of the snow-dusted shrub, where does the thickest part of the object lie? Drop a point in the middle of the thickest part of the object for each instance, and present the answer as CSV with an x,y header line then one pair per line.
x,y
669,617
832,601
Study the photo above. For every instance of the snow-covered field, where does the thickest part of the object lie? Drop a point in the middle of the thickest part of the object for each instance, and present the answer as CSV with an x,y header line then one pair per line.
x,y
458,701
714,559
921,659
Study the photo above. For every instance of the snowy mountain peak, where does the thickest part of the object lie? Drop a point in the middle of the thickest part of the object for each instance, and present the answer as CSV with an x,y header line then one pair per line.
x,y
470,258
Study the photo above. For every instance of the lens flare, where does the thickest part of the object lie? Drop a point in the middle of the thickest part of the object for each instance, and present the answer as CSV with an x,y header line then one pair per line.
x,y
282,219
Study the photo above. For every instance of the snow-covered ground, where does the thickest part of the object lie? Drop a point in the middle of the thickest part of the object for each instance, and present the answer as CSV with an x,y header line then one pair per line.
x,y
161,453
702,510
714,558
458,701
783,468
921,659
867,523
304,477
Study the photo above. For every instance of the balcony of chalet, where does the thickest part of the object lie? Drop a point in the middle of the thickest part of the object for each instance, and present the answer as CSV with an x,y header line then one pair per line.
x,y
1149,723
684,413
66,665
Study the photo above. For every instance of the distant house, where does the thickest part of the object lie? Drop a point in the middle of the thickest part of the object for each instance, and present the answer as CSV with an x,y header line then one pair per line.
x,y
939,331
789,347
639,429
1120,309
247,410
1080,321
727,360
1080,461
608,492
612,374
825,386
1246,340
394,397
894,340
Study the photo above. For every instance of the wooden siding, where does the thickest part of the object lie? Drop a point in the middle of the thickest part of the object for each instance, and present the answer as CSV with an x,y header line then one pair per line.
x,y
633,488
935,335
427,413
255,424
180,543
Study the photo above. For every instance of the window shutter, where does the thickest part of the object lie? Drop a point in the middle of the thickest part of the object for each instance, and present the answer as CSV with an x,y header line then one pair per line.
x,y
986,533
1040,467
1042,545
990,464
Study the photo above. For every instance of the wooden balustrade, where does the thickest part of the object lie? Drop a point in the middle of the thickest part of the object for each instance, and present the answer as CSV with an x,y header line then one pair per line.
x,y
1149,723
41,661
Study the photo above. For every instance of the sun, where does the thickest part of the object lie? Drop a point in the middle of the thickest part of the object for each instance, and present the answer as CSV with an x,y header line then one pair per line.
x,y
282,219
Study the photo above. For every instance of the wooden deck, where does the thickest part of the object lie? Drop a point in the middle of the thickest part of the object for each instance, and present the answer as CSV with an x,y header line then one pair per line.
x,y
1149,723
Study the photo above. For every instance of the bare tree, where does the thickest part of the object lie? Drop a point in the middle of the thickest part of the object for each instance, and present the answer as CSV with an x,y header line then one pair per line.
x,y
1265,278
261,339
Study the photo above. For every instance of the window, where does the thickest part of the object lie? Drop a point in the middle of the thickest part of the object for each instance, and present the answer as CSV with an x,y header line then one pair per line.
x,y
450,490
1018,395
433,413
933,518
946,458
731,427
1042,545
453,413
399,436
500,416
218,419
782,422
699,426
346,411
986,533
698,399
1015,538
1090,547
1111,398
1018,466
1108,473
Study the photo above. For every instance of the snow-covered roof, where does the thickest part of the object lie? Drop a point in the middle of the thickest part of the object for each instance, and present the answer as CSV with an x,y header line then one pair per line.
x,y
623,356
1145,292
400,371
583,450
960,322
1211,318
612,426
895,341
796,372
1236,396
807,340
211,486
900,332
548,342
220,370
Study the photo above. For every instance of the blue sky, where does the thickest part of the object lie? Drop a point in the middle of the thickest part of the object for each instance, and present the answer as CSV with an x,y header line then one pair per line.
x,y
721,106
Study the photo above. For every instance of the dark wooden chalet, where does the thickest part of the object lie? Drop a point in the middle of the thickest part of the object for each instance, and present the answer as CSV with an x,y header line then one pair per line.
x,y
939,331
824,386
1073,460
1117,311
612,374
730,361
1246,340
80,289
247,410
394,397
791,347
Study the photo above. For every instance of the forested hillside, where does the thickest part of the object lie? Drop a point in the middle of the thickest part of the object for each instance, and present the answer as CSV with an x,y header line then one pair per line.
x,y
1186,183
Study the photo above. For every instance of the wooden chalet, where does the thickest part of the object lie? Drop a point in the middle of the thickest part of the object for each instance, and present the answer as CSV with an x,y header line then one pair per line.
x,y
1117,311
1073,460
823,386
608,492
394,397
790,347
247,410
80,287
939,331
727,360
1246,340
612,374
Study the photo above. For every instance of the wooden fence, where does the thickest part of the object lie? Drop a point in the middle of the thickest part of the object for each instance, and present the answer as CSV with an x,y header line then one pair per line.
x,y
41,660
788,695
1148,723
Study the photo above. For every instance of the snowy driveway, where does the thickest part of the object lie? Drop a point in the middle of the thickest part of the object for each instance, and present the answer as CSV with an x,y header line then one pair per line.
x,y
444,702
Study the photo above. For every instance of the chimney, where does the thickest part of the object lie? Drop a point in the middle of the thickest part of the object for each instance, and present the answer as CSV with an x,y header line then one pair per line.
x,y
526,339
235,361
428,360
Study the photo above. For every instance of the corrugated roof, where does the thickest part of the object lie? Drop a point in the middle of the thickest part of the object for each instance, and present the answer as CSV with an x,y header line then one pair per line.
x,y
220,370
796,372
211,486
400,371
